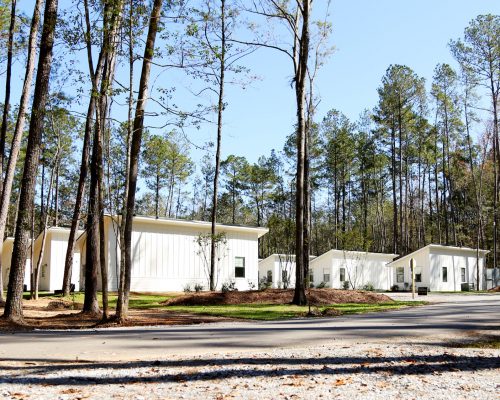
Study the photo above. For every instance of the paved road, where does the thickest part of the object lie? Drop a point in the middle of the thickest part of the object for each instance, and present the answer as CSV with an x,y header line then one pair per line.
x,y
450,319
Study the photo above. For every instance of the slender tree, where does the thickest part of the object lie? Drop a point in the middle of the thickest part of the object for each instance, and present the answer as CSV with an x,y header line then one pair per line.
x,y
13,307
18,131
123,296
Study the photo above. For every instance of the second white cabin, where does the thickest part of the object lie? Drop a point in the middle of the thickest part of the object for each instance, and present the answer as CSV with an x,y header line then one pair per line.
x,y
343,269
441,268
166,256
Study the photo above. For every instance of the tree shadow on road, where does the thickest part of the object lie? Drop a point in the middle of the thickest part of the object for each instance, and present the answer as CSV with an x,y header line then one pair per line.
x,y
207,369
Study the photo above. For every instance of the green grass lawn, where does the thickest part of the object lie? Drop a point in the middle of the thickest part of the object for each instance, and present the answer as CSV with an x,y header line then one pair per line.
x,y
264,312
269,312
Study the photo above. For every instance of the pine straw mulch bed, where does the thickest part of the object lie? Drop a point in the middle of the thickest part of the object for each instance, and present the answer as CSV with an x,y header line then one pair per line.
x,y
63,314
278,296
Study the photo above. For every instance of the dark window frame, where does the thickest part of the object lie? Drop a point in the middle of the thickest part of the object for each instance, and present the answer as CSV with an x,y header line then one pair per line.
x,y
238,269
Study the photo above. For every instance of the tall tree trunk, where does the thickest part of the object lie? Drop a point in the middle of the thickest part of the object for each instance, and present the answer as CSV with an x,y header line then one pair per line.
x,y
13,307
122,312
299,297
45,223
18,132
121,280
220,110
395,236
8,75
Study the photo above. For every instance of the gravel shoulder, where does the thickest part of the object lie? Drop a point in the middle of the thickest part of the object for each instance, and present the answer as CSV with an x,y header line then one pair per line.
x,y
330,371
404,354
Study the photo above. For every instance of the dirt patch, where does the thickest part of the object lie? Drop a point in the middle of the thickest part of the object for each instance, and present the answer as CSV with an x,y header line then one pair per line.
x,y
62,314
495,289
278,296
63,305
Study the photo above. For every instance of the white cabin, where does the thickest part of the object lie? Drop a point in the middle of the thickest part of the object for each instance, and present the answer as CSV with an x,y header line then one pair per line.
x,y
440,268
7,248
54,255
166,256
277,271
354,269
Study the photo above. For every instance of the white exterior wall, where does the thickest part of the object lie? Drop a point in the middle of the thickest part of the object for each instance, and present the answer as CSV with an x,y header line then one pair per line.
x,y
432,259
278,263
360,269
454,262
55,256
165,258
421,260
7,248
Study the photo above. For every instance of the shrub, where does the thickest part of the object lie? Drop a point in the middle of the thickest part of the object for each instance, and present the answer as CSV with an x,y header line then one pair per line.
x,y
251,285
345,285
322,285
394,288
228,286
264,284
369,287
198,287
187,288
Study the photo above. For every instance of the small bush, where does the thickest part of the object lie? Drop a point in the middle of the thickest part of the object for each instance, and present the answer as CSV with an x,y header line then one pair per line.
x,y
394,288
187,288
369,287
251,285
345,285
264,284
198,287
229,286
322,285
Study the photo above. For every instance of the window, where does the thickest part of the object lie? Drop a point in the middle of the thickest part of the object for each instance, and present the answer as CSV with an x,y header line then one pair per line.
x,y
418,273
463,275
445,274
269,276
284,276
311,277
239,267
44,270
400,274
326,275
342,274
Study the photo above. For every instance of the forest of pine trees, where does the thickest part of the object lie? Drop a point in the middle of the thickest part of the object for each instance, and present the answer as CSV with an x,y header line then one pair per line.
x,y
420,166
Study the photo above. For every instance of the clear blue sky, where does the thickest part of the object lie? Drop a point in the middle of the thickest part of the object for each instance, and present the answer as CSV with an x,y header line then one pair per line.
x,y
369,35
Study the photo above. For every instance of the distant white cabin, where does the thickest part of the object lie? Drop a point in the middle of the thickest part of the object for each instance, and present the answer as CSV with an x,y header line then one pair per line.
x,y
7,248
336,267
166,256
278,271
440,268
54,255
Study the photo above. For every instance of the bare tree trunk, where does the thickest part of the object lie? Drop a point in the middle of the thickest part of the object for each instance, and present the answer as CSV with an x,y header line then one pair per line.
x,y
121,281
95,78
299,297
122,312
8,75
45,222
18,132
13,307
220,110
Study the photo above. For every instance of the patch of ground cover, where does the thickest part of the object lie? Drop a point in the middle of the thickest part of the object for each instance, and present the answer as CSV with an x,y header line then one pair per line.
x,y
57,312
278,296
270,312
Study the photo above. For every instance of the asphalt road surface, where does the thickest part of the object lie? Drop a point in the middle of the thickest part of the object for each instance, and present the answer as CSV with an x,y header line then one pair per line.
x,y
451,319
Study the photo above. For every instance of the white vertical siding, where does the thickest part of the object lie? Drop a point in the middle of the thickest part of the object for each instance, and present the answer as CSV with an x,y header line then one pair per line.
x,y
421,260
165,258
360,269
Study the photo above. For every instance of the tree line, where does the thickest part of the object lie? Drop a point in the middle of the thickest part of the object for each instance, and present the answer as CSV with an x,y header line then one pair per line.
x,y
420,167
